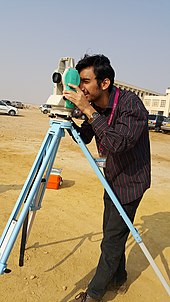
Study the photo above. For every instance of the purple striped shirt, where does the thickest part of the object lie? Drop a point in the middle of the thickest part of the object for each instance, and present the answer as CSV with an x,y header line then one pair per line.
x,y
126,143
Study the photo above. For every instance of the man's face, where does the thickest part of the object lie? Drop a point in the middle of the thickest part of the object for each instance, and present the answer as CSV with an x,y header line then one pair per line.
x,y
89,86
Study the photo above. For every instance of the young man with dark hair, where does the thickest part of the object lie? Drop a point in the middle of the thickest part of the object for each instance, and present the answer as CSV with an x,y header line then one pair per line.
x,y
119,121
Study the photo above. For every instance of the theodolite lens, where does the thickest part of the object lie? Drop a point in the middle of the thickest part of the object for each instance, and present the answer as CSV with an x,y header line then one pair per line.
x,y
56,77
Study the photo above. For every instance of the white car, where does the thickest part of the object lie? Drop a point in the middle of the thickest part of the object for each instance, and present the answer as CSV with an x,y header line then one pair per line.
x,y
166,125
45,108
7,109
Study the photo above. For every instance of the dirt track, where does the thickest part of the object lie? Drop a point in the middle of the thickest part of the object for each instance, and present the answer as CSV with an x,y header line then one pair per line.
x,y
64,244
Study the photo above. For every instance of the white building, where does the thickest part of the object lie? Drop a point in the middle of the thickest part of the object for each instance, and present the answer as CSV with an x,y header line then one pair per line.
x,y
158,104
154,102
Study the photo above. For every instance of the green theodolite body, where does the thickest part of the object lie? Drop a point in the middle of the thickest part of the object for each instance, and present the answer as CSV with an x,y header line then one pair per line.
x,y
70,76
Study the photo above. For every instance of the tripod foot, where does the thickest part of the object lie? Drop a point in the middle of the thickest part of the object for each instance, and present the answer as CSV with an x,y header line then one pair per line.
x,y
7,271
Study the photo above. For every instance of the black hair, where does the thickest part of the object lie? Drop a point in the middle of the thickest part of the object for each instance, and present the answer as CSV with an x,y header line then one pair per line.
x,y
102,68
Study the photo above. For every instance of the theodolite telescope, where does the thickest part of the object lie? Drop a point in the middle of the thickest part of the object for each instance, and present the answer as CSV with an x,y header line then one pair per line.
x,y
62,76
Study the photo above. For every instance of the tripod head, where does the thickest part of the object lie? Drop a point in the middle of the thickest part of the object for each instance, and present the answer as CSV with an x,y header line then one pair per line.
x,y
62,76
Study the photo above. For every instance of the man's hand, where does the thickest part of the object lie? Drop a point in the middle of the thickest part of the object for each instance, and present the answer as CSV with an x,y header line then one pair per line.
x,y
78,98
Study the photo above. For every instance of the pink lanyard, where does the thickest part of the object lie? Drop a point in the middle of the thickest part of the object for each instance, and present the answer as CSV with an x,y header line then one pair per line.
x,y
114,106
111,116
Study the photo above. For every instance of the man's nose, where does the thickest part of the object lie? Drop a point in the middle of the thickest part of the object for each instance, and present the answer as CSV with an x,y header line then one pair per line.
x,y
81,86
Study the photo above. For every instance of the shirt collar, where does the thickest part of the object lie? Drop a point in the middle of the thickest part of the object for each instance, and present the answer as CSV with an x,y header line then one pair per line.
x,y
110,104
111,98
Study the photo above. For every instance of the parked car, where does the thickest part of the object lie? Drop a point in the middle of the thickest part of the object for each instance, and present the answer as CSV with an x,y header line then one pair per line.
x,y
7,102
17,104
45,108
166,125
6,109
155,121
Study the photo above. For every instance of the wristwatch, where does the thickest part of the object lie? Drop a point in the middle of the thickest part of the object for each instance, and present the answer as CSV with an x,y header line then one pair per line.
x,y
93,117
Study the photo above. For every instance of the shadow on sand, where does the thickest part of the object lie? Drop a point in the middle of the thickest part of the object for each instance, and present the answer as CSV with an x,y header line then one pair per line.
x,y
154,234
5,188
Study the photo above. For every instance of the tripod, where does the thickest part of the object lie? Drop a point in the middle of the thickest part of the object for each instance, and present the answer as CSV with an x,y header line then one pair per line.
x,y
32,193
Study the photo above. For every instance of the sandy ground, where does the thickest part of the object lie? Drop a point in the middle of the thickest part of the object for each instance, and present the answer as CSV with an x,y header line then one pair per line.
x,y
64,244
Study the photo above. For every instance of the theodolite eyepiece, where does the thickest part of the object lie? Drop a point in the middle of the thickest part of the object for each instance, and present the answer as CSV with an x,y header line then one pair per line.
x,y
57,77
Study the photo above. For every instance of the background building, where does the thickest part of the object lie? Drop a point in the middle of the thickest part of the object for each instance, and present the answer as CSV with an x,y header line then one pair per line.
x,y
154,102
158,104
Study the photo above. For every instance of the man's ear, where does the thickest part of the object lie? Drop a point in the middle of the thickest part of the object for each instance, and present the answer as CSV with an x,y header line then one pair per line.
x,y
105,84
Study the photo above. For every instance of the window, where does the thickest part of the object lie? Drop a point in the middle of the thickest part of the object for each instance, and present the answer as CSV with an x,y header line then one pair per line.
x,y
163,103
155,103
152,117
147,102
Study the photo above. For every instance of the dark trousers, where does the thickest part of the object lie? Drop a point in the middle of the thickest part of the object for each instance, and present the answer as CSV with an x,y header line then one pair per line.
x,y
111,266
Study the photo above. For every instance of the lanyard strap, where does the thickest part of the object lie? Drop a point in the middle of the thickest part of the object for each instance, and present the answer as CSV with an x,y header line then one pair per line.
x,y
111,116
114,106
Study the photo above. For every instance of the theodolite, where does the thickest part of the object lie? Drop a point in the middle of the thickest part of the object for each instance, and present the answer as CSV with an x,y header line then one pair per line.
x,y
62,76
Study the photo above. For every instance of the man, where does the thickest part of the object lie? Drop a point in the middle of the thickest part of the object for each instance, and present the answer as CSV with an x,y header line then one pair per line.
x,y
119,121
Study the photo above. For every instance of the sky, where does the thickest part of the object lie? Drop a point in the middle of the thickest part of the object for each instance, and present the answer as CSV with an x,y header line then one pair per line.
x,y
35,34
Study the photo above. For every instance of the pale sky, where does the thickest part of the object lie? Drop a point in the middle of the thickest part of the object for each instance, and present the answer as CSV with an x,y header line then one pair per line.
x,y
35,34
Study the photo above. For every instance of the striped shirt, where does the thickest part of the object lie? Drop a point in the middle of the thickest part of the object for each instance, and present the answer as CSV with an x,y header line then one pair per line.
x,y
126,143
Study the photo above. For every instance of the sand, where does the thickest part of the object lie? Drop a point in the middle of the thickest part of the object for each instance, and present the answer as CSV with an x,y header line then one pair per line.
x,y
64,244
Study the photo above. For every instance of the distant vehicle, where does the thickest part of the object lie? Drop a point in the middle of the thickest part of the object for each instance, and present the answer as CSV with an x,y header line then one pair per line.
x,y
166,125
45,108
155,121
6,109
17,104
7,102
